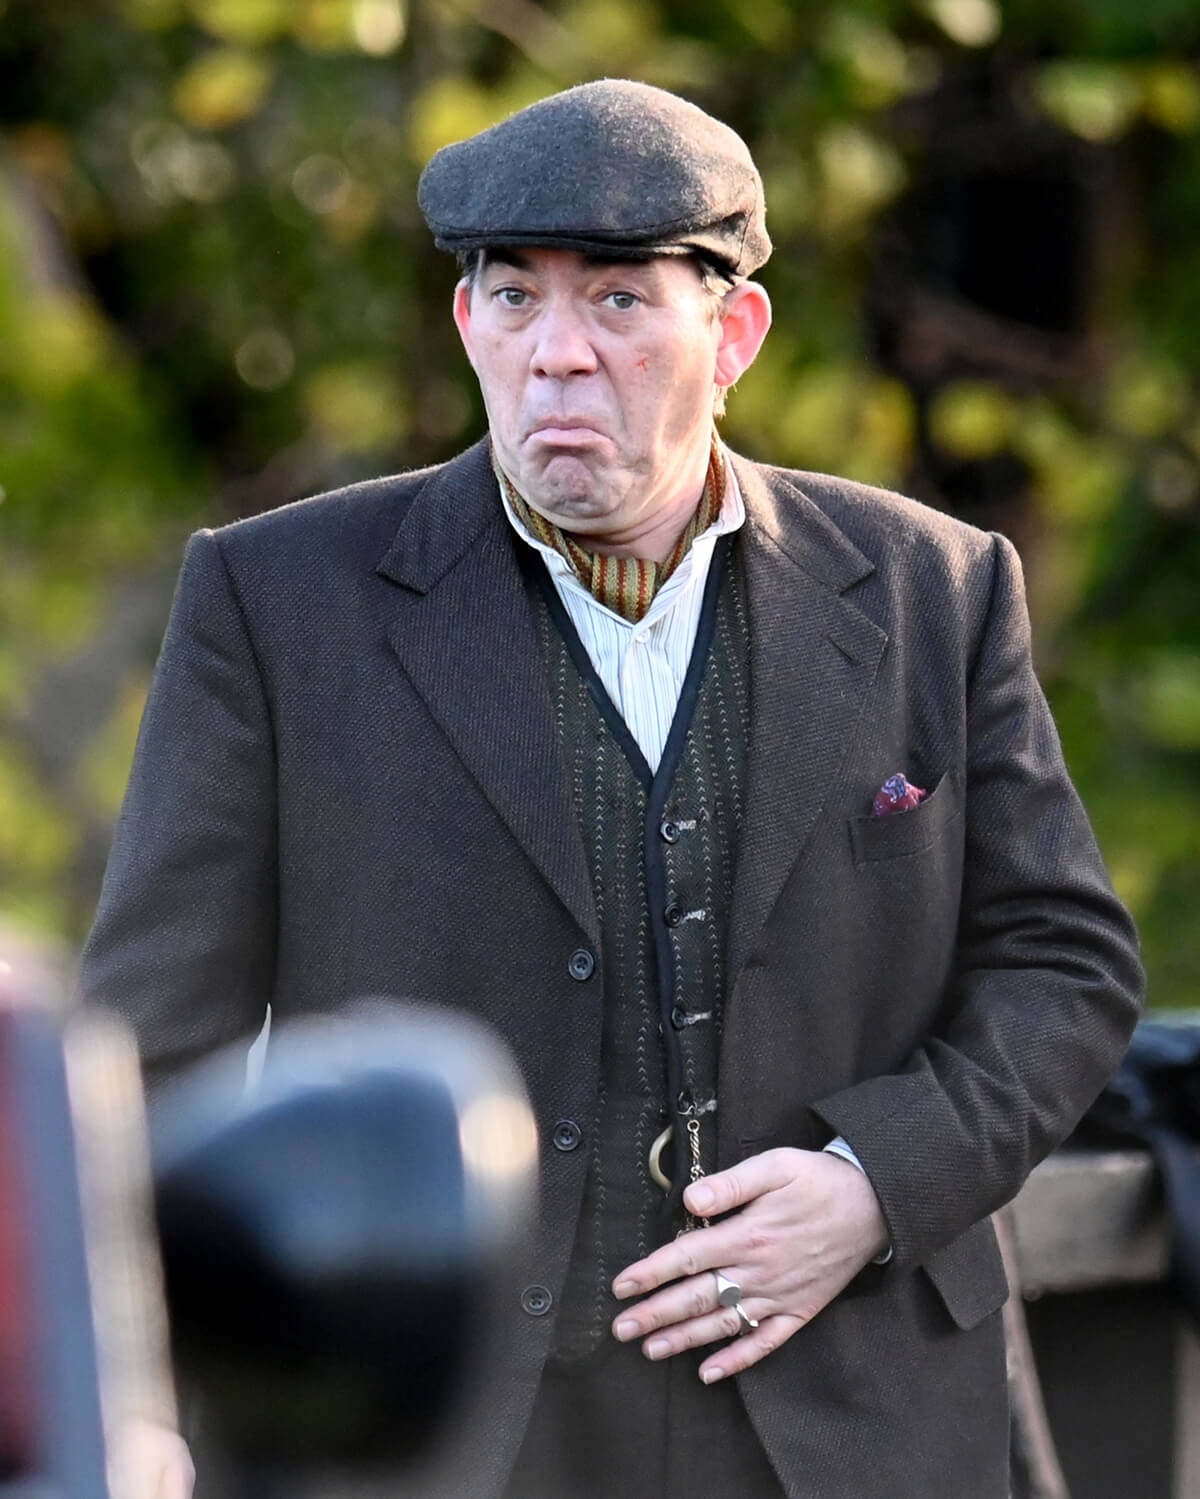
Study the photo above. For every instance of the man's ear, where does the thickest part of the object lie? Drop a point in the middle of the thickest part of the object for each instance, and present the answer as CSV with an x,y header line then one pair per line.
x,y
462,315
745,319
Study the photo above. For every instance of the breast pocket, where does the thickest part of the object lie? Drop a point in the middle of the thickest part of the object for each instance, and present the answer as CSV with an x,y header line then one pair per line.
x,y
899,835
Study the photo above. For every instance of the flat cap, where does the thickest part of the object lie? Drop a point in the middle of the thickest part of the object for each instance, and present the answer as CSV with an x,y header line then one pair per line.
x,y
608,168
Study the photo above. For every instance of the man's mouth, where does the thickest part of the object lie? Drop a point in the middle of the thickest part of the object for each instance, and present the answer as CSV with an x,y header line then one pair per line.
x,y
564,429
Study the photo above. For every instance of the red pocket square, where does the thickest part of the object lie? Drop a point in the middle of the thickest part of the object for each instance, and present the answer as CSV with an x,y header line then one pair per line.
x,y
897,794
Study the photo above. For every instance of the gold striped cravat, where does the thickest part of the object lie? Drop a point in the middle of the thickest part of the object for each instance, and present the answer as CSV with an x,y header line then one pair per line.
x,y
626,585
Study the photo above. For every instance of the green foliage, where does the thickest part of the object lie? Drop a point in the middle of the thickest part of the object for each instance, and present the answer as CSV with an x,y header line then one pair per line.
x,y
216,294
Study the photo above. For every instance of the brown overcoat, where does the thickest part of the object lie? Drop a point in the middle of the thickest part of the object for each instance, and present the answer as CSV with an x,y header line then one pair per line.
x,y
347,784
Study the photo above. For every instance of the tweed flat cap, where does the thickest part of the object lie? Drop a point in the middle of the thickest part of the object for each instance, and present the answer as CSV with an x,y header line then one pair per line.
x,y
609,168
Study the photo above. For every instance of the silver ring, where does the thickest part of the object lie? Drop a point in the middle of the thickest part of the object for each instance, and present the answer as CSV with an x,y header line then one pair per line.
x,y
729,1293
744,1317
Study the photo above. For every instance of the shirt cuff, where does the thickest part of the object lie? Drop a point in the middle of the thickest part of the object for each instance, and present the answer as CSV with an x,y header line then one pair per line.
x,y
840,1147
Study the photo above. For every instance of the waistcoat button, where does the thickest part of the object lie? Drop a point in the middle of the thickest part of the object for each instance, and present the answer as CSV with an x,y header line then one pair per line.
x,y
567,1135
679,1017
581,965
673,915
536,1300
669,830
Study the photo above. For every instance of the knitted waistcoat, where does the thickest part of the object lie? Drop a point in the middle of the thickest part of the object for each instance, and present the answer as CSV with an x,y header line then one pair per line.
x,y
661,849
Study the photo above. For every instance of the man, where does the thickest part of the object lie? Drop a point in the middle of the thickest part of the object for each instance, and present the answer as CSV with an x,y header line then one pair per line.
x,y
584,731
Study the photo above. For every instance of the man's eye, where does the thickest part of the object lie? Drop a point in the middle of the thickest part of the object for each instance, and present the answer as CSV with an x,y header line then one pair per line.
x,y
511,296
623,300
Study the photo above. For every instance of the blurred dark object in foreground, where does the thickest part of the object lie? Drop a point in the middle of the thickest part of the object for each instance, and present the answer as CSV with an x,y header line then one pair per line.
x,y
51,1439
333,1241
334,1237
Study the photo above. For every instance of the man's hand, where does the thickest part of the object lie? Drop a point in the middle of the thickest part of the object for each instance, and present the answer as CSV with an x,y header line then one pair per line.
x,y
808,1223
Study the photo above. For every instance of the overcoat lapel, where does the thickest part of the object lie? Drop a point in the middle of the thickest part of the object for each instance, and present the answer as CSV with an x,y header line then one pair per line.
x,y
813,656
460,625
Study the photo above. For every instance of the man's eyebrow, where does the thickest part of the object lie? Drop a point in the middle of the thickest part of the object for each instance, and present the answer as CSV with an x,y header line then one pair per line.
x,y
504,255
513,258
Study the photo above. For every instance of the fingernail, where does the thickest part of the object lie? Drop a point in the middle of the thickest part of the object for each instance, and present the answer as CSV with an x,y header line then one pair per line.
x,y
701,1197
624,1287
626,1330
658,1348
710,1376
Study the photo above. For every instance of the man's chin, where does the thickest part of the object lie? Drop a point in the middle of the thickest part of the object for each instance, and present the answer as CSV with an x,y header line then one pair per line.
x,y
566,491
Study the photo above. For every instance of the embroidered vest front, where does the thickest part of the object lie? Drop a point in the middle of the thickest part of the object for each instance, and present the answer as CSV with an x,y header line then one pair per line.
x,y
662,850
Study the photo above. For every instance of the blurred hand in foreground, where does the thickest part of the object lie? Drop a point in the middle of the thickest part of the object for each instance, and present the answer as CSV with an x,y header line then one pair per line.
x,y
150,1462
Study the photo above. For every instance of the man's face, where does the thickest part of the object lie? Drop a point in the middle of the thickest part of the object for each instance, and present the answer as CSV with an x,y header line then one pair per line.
x,y
598,378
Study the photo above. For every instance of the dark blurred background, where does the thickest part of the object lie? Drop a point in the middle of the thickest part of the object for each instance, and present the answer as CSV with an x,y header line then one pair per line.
x,y
217,295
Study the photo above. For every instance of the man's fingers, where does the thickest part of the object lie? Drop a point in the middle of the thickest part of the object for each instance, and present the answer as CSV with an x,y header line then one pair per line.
x,y
691,1254
771,1333
725,1244
695,1296
726,1190
715,1327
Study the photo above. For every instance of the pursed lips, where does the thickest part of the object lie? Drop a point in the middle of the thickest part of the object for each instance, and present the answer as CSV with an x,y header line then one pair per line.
x,y
564,429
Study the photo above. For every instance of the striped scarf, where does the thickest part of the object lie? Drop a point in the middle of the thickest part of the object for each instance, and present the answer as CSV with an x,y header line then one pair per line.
x,y
626,585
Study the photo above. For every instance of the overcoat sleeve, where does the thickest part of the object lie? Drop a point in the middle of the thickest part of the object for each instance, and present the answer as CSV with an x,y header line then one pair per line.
x,y
185,933
1046,984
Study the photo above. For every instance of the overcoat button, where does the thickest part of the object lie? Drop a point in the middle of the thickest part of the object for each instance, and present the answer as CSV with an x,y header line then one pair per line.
x,y
567,1135
679,1017
673,915
581,965
669,830
536,1300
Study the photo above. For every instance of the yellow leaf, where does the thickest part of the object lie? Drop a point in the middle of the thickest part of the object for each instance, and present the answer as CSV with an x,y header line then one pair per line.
x,y
1095,100
1171,96
152,15
876,59
357,407
222,88
1147,396
450,109
861,173
1136,873
324,25
245,21
63,341
611,29
972,419
1080,476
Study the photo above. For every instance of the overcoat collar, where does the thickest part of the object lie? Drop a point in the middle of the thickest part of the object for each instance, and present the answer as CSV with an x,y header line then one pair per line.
x,y
461,627
813,656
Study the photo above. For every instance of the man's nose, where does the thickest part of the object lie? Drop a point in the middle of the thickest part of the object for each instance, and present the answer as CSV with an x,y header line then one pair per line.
x,y
564,345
